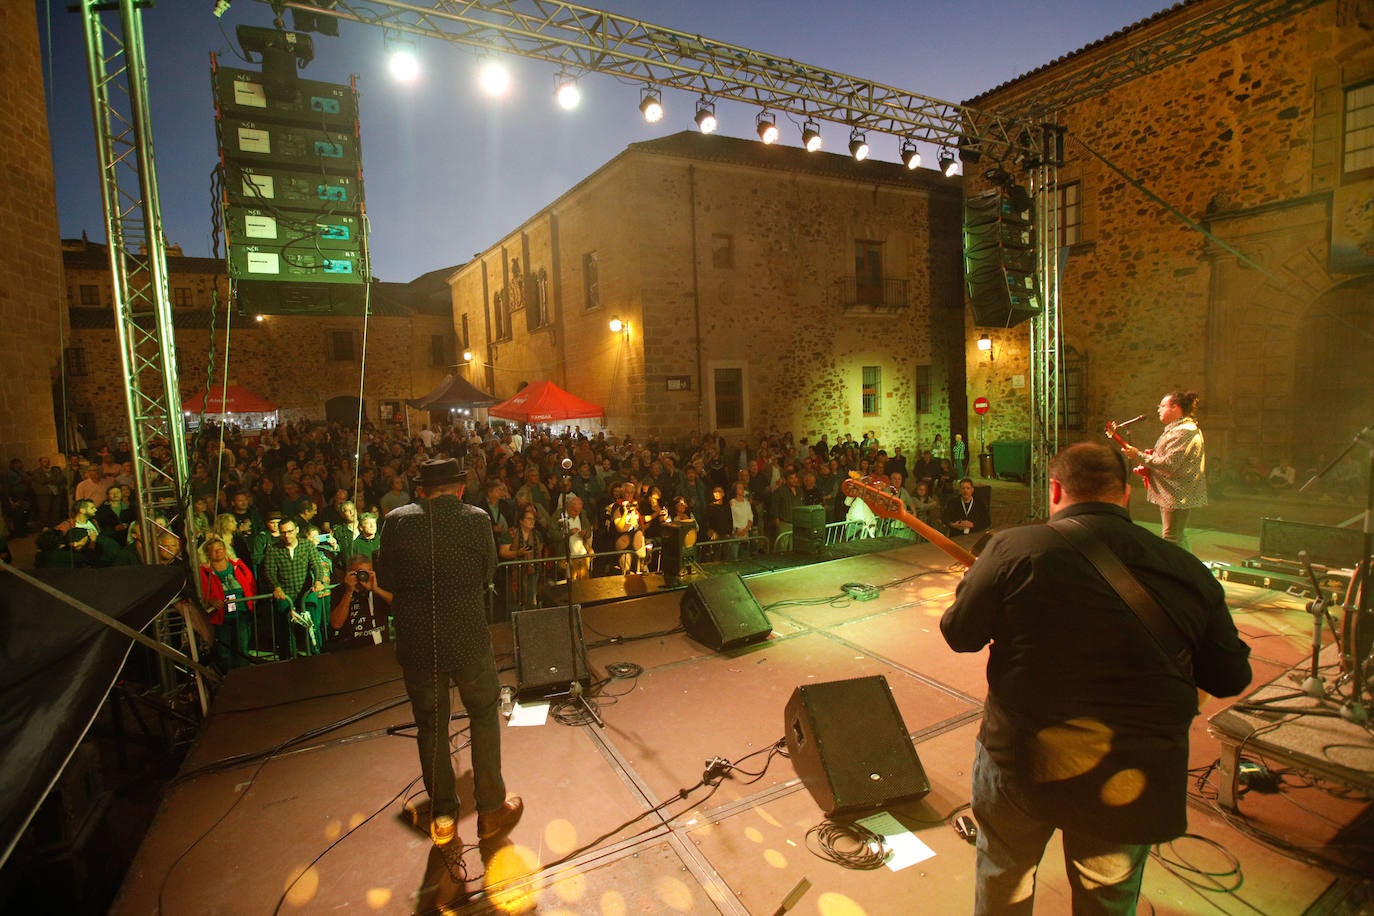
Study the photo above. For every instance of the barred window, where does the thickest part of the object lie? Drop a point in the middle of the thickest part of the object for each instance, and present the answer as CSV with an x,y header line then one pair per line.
x,y
872,385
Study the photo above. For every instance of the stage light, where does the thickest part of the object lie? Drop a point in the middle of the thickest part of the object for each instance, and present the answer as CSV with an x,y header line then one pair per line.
x,y
402,62
948,164
567,93
969,151
767,127
651,106
494,77
706,117
911,156
858,145
985,343
811,136
617,325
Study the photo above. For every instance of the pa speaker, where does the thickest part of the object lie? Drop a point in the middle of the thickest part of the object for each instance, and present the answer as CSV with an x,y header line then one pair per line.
x,y
549,652
849,746
999,258
721,613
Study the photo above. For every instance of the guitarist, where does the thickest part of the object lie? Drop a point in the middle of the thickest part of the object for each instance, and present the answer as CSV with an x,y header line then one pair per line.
x,y
1177,465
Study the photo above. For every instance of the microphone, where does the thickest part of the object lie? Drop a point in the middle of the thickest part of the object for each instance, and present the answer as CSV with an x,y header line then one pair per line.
x,y
1124,423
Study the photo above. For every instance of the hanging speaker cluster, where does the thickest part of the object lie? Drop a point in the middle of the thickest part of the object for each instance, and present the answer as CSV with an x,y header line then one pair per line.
x,y
999,257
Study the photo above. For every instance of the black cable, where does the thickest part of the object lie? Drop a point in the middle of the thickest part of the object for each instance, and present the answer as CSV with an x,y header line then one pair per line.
x,y
851,845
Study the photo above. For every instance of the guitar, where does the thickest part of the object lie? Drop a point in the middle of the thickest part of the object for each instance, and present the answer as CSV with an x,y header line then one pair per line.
x,y
886,504
1140,469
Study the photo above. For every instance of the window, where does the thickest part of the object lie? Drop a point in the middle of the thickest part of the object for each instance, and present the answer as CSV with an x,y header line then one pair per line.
x,y
466,341
85,421
440,352
722,250
76,360
90,295
729,388
1357,148
591,281
872,385
923,389
1072,388
1070,214
342,346
181,296
501,308
868,272
538,314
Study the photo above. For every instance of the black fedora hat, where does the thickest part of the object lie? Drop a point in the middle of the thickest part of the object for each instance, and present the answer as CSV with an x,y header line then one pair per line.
x,y
440,471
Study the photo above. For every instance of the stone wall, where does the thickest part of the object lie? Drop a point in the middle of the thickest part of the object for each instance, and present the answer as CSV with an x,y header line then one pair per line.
x,y
31,259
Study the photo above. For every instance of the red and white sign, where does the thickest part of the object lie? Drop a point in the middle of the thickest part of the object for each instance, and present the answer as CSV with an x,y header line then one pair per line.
x,y
980,406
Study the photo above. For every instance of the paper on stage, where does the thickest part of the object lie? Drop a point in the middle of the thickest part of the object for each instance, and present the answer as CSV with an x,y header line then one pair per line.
x,y
905,848
533,714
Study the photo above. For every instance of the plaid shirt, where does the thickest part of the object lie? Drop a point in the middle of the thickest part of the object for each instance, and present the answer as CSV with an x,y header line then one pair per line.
x,y
294,573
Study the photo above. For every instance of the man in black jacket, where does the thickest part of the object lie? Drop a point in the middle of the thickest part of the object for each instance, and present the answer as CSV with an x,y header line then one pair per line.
x,y
1086,722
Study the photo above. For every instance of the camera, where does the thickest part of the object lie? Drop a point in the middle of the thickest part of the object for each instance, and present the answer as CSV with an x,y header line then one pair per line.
x,y
363,575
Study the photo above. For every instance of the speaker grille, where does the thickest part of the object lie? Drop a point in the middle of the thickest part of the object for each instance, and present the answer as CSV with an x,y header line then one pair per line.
x,y
721,613
549,652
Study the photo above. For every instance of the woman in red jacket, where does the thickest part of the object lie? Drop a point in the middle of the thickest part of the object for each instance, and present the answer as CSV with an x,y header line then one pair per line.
x,y
225,583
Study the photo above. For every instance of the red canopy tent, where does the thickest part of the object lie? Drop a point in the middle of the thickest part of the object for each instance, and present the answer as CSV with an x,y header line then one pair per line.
x,y
230,399
545,402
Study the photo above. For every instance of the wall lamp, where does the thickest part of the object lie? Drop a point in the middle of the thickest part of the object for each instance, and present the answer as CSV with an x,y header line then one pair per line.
x,y
618,326
985,345
467,356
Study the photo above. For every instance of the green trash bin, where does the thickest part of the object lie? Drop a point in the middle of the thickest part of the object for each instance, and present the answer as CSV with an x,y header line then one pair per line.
x,y
1011,458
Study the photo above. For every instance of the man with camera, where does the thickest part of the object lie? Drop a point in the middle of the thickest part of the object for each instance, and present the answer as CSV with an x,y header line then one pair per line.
x,y
360,614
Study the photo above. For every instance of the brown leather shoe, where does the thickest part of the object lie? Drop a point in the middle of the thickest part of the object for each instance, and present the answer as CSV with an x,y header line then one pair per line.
x,y
494,823
443,830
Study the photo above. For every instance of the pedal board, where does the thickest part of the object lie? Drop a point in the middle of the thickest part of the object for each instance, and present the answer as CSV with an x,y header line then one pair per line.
x,y
1297,586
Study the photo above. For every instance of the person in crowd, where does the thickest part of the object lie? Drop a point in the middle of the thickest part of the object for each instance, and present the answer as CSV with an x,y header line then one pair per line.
x,y
94,484
964,514
396,497
225,583
360,616
577,534
1085,726
438,563
926,505
49,485
741,515
523,542
1283,475
959,454
1177,465
368,541
788,496
299,580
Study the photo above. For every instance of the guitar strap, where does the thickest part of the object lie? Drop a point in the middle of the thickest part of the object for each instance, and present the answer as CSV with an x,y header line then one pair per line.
x,y
1161,627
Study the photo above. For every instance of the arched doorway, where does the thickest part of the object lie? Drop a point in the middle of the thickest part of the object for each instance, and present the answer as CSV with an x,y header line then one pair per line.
x,y
343,410
1334,390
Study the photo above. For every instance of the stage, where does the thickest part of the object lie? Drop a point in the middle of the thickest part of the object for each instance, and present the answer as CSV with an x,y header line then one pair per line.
x,y
277,811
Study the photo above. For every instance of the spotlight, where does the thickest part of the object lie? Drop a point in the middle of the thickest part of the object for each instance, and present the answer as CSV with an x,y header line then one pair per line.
x,y
567,93
948,164
811,136
494,77
402,62
969,150
911,156
706,117
767,127
651,106
858,145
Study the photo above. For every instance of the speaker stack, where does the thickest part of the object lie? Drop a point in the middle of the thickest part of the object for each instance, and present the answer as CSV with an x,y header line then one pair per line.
x,y
808,529
721,613
850,747
999,257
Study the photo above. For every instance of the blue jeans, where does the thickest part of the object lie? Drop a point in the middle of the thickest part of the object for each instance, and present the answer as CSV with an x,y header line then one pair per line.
x,y
1104,877
480,692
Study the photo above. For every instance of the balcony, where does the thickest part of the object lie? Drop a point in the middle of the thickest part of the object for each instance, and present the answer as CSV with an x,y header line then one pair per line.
x,y
889,297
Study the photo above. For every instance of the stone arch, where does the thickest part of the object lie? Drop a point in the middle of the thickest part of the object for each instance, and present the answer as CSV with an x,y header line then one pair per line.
x,y
1333,384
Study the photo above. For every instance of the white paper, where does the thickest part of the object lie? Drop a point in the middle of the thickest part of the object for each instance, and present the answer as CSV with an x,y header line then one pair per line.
x,y
904,847
534,714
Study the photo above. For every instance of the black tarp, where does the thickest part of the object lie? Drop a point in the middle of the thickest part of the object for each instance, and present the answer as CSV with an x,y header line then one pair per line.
x,y
454,391
56,667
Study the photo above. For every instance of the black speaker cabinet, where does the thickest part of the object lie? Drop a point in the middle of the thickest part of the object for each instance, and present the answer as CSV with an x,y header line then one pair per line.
x,y
850,748
721,613
549,652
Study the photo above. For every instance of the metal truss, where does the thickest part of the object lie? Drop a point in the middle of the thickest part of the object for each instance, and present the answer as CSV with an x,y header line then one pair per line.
x,y
1185,37
138,268
1046,341
583,40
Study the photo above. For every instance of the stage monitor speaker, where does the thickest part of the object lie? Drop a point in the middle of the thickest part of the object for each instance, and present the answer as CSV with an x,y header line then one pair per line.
x,y
850,747
549,652
721,613
808,529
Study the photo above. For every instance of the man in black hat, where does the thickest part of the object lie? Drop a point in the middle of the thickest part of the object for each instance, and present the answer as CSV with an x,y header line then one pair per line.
x,y
438,558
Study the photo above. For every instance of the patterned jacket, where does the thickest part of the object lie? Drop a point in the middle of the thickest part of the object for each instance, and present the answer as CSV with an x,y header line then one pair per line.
x,y
1177,465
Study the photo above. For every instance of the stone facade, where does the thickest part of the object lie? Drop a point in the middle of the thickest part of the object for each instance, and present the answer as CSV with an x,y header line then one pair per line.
x,y
732,266
300,363
31,258
1251,307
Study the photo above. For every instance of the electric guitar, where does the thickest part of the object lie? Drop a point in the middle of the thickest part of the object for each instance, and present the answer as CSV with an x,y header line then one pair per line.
x,y
886,504
1140,469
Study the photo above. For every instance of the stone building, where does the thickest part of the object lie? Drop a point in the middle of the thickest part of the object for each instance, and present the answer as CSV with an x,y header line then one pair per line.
x,y
1265,303
758,288
311,367
31,258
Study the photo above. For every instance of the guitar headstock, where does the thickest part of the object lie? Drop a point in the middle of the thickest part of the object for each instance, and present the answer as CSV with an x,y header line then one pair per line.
x,y
877,492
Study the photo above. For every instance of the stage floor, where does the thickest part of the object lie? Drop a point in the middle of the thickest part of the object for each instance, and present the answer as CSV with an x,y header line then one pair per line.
x,y
317,819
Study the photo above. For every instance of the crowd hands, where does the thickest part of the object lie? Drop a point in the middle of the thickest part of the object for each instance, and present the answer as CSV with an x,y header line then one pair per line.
x,y
286,517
